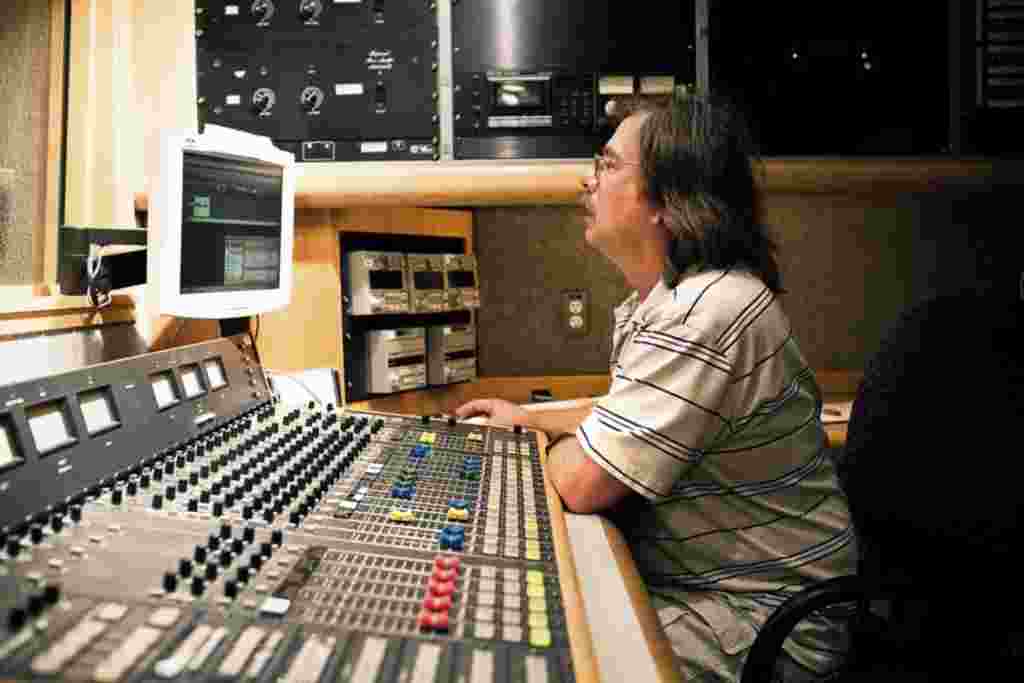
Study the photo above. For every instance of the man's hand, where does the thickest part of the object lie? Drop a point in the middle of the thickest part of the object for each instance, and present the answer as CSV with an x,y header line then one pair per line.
x,y
495,410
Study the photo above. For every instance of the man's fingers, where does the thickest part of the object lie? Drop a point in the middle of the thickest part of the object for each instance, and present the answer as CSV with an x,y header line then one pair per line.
x,y
476,407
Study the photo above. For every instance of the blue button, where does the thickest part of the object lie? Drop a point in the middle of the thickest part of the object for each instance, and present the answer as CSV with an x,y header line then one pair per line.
x,y
458,503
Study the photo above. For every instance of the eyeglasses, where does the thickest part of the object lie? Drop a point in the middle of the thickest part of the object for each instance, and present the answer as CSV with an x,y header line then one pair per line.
x,y
603,162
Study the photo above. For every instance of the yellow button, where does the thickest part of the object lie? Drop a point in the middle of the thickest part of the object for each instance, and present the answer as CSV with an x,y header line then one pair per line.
x,y
532,554
538,620
534,591
534,545
537,605
534,576
454,514
530,523
540,637
532,534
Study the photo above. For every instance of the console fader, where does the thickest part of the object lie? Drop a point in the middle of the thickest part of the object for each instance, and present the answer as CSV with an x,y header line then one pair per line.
x,y
270,542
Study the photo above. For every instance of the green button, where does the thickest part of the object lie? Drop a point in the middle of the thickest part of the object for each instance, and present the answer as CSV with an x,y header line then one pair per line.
x,y
534,576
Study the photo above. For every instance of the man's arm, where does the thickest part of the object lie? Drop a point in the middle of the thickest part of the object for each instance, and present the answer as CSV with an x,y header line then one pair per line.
x,y
584,485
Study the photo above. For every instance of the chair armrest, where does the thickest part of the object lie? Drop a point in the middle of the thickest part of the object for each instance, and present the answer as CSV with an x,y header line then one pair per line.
x,y
760,663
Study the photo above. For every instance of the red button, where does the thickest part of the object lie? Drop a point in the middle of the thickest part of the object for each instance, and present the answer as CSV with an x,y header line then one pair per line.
x,y
447,562
434,620
438,604
444,574
441,588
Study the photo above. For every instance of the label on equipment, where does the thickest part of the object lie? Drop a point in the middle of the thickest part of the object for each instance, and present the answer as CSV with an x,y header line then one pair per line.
x,y
348,88
233,100
373,147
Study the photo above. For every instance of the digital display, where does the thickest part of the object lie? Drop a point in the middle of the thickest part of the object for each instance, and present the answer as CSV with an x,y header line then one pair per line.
x,y
520,96
215,373
98,410
405,361
49,425
163,389
428,279
8,449
461,278
190,381
231,224
386,279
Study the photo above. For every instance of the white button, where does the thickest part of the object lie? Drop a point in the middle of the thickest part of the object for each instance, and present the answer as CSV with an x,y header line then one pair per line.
x,y
111,611
275,606
164,617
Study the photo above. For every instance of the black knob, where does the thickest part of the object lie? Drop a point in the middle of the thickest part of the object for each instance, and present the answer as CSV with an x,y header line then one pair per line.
x,y
182,485
237,546
144,481
193,505
76,513
218,508
215,489
247,512
36,534
518,429
158,501
185,567
204,496
451,422
268,515
277,537
225,530
214,541
169,492
36,604
231,589
199,554
225,558
57,523
256,561
242,574
51,594
204,471
266,549
211,571
170,581
132,488
181,461
198,586
295,518
115,496
169,467
17,618
193,478
249,534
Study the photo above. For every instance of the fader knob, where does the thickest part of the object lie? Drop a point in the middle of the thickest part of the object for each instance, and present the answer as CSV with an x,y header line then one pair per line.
x,y
199,554
170,581
198,586
57,523
51,594
231,589
13,547
116,496
76,513
158,501
185,567
132,488
249,534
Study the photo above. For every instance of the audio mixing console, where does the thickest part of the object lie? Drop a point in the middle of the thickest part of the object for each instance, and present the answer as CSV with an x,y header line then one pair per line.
x,y
263,542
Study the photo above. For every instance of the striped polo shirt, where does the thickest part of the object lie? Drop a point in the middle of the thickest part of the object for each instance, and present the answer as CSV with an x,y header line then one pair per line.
x,y
713,417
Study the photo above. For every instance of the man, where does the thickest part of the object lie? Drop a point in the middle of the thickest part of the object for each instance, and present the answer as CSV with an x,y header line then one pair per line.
x,y
708,450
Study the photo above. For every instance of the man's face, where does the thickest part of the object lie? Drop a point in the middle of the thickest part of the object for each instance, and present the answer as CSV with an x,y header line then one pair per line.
x,y
618,211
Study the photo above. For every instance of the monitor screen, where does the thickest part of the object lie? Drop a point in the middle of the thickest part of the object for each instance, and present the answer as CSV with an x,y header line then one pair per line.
x,y
221,225
230,224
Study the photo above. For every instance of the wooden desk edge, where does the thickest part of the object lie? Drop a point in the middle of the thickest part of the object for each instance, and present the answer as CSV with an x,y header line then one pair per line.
x,y
660,647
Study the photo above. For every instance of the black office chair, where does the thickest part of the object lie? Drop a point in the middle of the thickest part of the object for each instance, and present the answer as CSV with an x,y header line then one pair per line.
x,y
932,471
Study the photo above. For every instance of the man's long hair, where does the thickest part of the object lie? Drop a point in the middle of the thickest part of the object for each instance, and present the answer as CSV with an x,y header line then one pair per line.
x,y
697,157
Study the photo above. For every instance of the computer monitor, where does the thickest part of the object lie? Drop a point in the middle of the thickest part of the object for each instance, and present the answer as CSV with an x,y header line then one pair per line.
x,y
221,225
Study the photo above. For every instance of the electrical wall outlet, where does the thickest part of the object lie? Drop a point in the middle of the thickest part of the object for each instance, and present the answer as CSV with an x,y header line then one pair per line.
x,y
575,312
